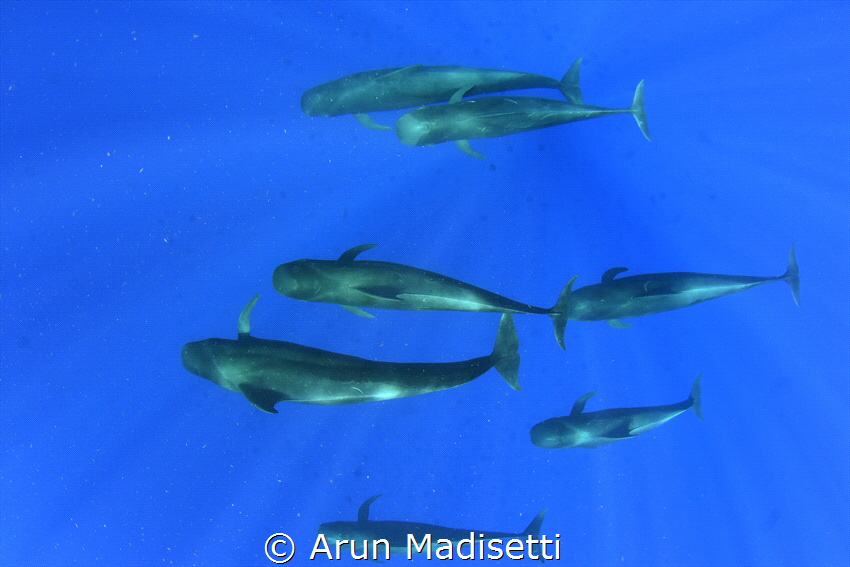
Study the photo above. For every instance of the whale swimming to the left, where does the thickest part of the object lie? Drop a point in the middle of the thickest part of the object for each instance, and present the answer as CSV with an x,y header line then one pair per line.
x,y
267,371
366,283
494,116
417,85
595,428
397,533
634,296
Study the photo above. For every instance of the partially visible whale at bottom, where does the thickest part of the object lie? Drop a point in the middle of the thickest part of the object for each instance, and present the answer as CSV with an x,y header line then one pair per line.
x,y
396,533
267,372
647,294
595,428
494,116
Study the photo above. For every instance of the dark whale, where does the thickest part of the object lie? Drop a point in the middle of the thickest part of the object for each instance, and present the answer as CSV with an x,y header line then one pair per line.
x,y
267,372
635,296
494,116
417,85
397,533
595,428
366,283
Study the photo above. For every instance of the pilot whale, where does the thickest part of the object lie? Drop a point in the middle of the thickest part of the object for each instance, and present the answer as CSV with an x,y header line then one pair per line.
x,y
267,372
647,294
494,116
418,85
595,428
364,283
397,534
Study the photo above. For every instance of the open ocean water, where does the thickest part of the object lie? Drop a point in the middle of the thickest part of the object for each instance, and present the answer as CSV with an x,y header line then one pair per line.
x,y
156,167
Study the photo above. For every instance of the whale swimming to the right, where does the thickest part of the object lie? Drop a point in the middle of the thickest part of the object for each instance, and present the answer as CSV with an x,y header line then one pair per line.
x,y
647,294
595,428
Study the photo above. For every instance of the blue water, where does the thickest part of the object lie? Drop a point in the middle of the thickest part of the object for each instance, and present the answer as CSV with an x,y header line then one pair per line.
x,y
156,168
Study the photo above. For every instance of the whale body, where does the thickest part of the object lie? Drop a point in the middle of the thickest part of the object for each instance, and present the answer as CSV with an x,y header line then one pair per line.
x,y
647,294
267,371
396,533
417,85
494,116
595,428
363,283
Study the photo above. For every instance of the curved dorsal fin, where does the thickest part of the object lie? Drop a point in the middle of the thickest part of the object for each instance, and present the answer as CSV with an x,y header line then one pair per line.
x,y
578,407
459,94
243,326
609,274
363,512
349,255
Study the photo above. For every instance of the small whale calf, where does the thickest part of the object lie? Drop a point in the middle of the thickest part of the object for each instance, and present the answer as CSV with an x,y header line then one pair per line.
x,y
595,428
407,537
267,371
647,294
417,85
364,283
494,116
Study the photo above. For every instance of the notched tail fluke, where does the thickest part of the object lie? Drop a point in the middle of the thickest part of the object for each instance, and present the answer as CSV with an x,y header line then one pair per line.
x,y
638,111
570,86
696,396
505,356
561,312
792,275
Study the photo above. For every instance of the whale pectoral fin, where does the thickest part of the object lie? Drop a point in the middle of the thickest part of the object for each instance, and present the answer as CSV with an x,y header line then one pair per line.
x,y
358,311
366,121
262,398
383,293
622,431
617,324
467,149
644,428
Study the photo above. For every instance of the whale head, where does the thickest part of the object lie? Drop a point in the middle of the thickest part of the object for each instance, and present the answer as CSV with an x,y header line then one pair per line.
x,y
197,359
413,130
300,279
559,433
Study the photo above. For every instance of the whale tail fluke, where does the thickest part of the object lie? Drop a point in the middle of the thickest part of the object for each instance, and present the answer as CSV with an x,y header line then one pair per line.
x,y
561,312
570,86
792,275
505,356
696,396
638,111
533,530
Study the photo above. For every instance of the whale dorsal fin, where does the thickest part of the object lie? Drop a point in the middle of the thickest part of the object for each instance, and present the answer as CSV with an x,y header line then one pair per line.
x,y
609,274
363,512
459,94
243,326
349,255
578,407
